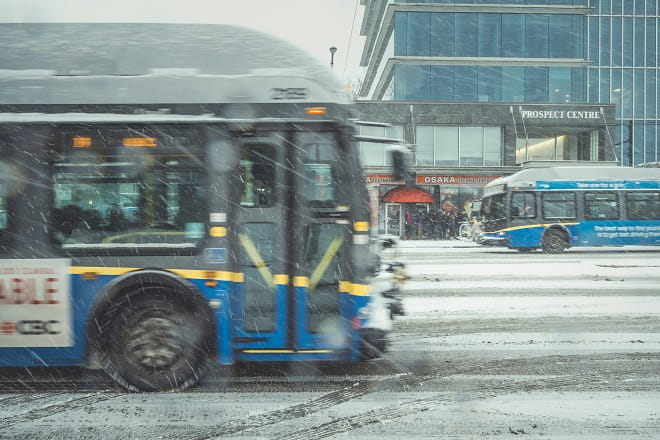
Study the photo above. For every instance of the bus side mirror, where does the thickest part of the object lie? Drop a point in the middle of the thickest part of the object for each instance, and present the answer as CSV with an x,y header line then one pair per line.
x,y
399,154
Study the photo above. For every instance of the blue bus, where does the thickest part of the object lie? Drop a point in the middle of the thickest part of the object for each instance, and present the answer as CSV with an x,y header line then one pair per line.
x,y
174,196
556,208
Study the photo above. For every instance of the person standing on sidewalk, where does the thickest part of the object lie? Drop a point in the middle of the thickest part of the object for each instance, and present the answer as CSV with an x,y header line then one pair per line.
x,y
409,222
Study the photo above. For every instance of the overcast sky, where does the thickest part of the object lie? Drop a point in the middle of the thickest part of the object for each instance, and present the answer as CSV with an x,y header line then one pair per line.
x,y
314,25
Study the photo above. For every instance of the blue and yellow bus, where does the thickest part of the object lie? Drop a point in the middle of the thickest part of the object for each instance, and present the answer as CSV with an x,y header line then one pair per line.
x,y
177,195
556,208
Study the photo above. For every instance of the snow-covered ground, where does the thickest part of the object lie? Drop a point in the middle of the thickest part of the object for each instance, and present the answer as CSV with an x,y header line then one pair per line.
x,y
519,306
495,344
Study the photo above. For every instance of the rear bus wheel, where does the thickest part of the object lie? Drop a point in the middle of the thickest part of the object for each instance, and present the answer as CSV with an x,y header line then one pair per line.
x,y
554,241
156,343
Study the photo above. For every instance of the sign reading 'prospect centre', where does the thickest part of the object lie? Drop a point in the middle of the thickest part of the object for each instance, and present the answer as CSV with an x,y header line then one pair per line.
x,y
559,114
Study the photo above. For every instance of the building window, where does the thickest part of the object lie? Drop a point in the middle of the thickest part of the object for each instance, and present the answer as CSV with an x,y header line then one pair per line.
x,y
467,34
376,154
3,207
492,146
446,141
471,146
449,146
463,83
540,145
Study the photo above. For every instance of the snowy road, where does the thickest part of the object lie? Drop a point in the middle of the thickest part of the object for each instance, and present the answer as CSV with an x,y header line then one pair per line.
x,y
496,344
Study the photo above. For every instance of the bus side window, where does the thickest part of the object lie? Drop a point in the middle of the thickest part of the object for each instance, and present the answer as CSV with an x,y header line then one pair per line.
x,y
320,155
4,219
559,205
523,205
643,205
257,168
601,206
190,204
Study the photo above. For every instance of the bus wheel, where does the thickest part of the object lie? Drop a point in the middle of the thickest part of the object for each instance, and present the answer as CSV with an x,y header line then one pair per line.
x,y
156,343
554,241
374,343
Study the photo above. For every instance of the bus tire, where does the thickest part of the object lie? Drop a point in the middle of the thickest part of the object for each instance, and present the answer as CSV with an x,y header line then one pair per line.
x,y
554,241
374,343
156,342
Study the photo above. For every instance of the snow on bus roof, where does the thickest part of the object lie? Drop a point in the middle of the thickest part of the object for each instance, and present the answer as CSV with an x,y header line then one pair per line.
x,y
163,118
70,63
530,175
72,117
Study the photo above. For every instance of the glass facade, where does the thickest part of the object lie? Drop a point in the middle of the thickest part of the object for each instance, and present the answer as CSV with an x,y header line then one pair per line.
x,y
622,47
531,39
464,34
505,2
489,83
528,51
450,146
542,146
607,54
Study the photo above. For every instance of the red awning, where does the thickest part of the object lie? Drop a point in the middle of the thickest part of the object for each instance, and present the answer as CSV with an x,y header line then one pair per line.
x,y
408,194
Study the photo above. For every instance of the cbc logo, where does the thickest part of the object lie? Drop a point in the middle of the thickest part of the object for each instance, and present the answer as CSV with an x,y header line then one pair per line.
x,y
30,327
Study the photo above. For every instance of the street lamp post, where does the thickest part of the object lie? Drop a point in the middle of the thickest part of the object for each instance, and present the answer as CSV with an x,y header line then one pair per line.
x,y
333,49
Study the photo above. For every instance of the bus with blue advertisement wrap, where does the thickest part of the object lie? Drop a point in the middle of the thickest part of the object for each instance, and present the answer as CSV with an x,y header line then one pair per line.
x,y
173,196
556,208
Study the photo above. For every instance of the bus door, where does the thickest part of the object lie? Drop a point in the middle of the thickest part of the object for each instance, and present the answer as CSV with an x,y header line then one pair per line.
x,y
260,300
292,243
323,239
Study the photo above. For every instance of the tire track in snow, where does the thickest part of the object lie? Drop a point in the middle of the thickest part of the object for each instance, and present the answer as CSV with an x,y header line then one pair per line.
x,y
55,408
293,412
25,398
349,423
346,424
404,381
58,387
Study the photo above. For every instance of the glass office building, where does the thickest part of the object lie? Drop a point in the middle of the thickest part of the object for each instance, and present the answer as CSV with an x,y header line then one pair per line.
x,y
622,49
521,52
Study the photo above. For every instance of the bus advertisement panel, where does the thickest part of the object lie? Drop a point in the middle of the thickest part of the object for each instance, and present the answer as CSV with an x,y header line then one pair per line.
x,y
35,304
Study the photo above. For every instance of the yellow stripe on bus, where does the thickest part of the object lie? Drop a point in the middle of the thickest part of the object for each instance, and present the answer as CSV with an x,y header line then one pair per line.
x,y
219,275
301,281
285,351
541,225
360,289
237,277
354,289
81,270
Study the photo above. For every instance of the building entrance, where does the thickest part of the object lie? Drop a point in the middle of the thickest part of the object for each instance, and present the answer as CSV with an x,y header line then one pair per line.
x,y
393,219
